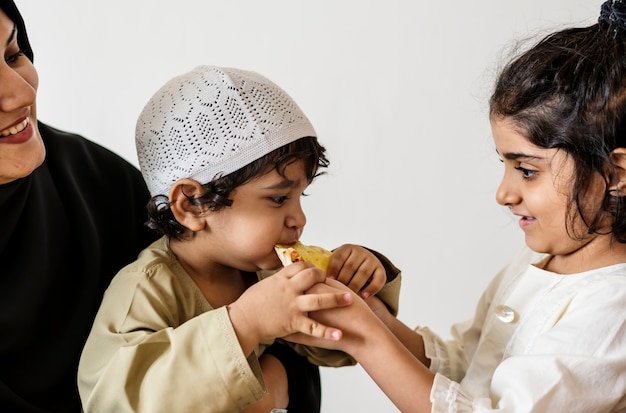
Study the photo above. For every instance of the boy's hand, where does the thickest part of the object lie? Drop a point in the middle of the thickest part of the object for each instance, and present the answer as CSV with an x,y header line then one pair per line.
x,y
354,321
357,268
278,305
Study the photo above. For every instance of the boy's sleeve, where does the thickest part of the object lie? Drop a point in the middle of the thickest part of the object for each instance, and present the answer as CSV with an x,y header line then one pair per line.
x,y
138,358
390,293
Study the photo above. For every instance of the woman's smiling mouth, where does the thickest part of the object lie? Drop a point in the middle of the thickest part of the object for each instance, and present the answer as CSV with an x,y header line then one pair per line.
x,y
16,128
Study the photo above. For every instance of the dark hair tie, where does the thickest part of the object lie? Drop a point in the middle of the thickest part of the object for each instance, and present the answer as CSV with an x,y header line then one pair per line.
x,y
613,14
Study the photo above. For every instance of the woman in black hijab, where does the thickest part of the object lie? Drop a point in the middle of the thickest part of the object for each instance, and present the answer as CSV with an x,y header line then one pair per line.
x,y
71,215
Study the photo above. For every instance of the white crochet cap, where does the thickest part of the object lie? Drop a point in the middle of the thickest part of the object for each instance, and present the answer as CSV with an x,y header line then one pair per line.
x,y
213,121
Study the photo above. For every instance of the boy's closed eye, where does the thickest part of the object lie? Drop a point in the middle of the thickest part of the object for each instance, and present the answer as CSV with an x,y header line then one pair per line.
x,y
279,199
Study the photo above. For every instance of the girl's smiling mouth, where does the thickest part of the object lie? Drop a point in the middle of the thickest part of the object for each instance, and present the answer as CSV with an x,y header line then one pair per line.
x,y
525,221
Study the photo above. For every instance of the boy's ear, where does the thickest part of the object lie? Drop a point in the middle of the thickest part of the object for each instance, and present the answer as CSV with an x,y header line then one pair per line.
x,y
189,215
618,159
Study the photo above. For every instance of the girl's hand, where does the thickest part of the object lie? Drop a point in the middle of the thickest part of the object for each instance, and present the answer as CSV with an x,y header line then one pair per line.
x,y
357,268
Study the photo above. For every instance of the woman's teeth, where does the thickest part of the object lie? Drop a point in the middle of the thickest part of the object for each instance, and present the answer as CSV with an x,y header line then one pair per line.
x,y
15,129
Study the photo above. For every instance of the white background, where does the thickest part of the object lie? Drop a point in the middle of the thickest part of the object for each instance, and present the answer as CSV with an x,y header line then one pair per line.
x,y
397,91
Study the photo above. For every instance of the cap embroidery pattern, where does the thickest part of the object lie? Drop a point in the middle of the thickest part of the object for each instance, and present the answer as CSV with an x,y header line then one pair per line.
x,y
212,121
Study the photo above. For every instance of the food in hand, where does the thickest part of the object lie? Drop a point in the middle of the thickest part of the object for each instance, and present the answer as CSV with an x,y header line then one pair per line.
x,y
318,256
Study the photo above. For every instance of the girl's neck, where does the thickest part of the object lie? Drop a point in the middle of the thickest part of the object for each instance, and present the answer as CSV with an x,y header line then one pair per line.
x,y
592,256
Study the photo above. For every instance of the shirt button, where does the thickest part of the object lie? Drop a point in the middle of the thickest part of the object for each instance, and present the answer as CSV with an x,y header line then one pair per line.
x,y
506,314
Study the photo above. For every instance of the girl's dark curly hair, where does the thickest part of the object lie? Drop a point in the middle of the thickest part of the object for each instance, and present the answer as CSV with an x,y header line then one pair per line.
x,y
217,192
569,92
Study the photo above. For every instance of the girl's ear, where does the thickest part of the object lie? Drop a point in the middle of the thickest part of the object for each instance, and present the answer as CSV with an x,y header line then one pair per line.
x,y
618,159
189,215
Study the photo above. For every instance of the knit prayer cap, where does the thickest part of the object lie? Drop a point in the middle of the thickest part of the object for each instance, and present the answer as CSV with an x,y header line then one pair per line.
x,y
212,121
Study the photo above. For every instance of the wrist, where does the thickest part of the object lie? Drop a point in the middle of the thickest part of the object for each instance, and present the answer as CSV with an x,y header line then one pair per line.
x,y
247,335
373,334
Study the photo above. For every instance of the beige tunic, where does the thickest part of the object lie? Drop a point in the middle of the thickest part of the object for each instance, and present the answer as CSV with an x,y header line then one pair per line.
x,y
157,345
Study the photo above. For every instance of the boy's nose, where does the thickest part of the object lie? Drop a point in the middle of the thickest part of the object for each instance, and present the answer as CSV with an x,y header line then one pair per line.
x,y
296,217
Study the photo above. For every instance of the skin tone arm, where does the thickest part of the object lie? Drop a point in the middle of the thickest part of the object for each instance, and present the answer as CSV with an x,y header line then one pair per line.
x,y
399,370
408,337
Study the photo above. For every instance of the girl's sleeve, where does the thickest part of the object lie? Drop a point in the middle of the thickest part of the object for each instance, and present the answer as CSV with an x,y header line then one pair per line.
x,y
451,357
576,364
134,361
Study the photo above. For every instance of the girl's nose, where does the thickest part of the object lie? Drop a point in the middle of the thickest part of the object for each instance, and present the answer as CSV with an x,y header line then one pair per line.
x,y
16,92
506,194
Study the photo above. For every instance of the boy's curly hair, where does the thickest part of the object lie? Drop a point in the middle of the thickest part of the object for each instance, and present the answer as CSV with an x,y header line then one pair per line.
x,y
217,192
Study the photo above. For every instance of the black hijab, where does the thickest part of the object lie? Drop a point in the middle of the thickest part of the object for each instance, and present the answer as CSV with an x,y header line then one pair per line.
x,y
10,9
65,230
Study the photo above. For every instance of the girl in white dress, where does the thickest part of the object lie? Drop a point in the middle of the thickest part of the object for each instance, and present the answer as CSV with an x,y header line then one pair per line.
x,y
549,333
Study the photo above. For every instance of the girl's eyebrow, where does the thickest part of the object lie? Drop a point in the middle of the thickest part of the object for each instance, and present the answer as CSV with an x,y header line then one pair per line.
x,y
516,156
12,35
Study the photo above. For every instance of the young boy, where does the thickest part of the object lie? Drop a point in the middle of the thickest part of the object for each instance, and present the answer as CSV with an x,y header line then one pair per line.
x,y
226,155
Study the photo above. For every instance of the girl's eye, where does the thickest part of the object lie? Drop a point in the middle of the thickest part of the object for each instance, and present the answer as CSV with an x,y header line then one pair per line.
x,y
12,59
279,199
526,173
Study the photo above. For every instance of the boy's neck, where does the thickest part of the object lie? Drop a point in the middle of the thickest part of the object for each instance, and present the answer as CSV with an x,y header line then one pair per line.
x,y
219,284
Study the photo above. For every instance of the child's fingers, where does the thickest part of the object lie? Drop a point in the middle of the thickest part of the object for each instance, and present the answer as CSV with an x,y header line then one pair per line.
x,y
369,291
292,270
339,259
321,297
363,276
318,330
376,283
324,301
304,275
356,271
357,282
343,268
308,340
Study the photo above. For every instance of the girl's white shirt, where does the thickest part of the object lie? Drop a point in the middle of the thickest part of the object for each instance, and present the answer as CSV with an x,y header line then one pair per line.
x,y
539,342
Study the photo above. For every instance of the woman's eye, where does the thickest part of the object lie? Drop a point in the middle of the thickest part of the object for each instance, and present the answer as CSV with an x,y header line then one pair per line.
x,y
12,59
279,199
526,173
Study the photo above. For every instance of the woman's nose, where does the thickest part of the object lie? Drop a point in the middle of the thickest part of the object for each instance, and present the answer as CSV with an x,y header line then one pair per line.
x,y
15,91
